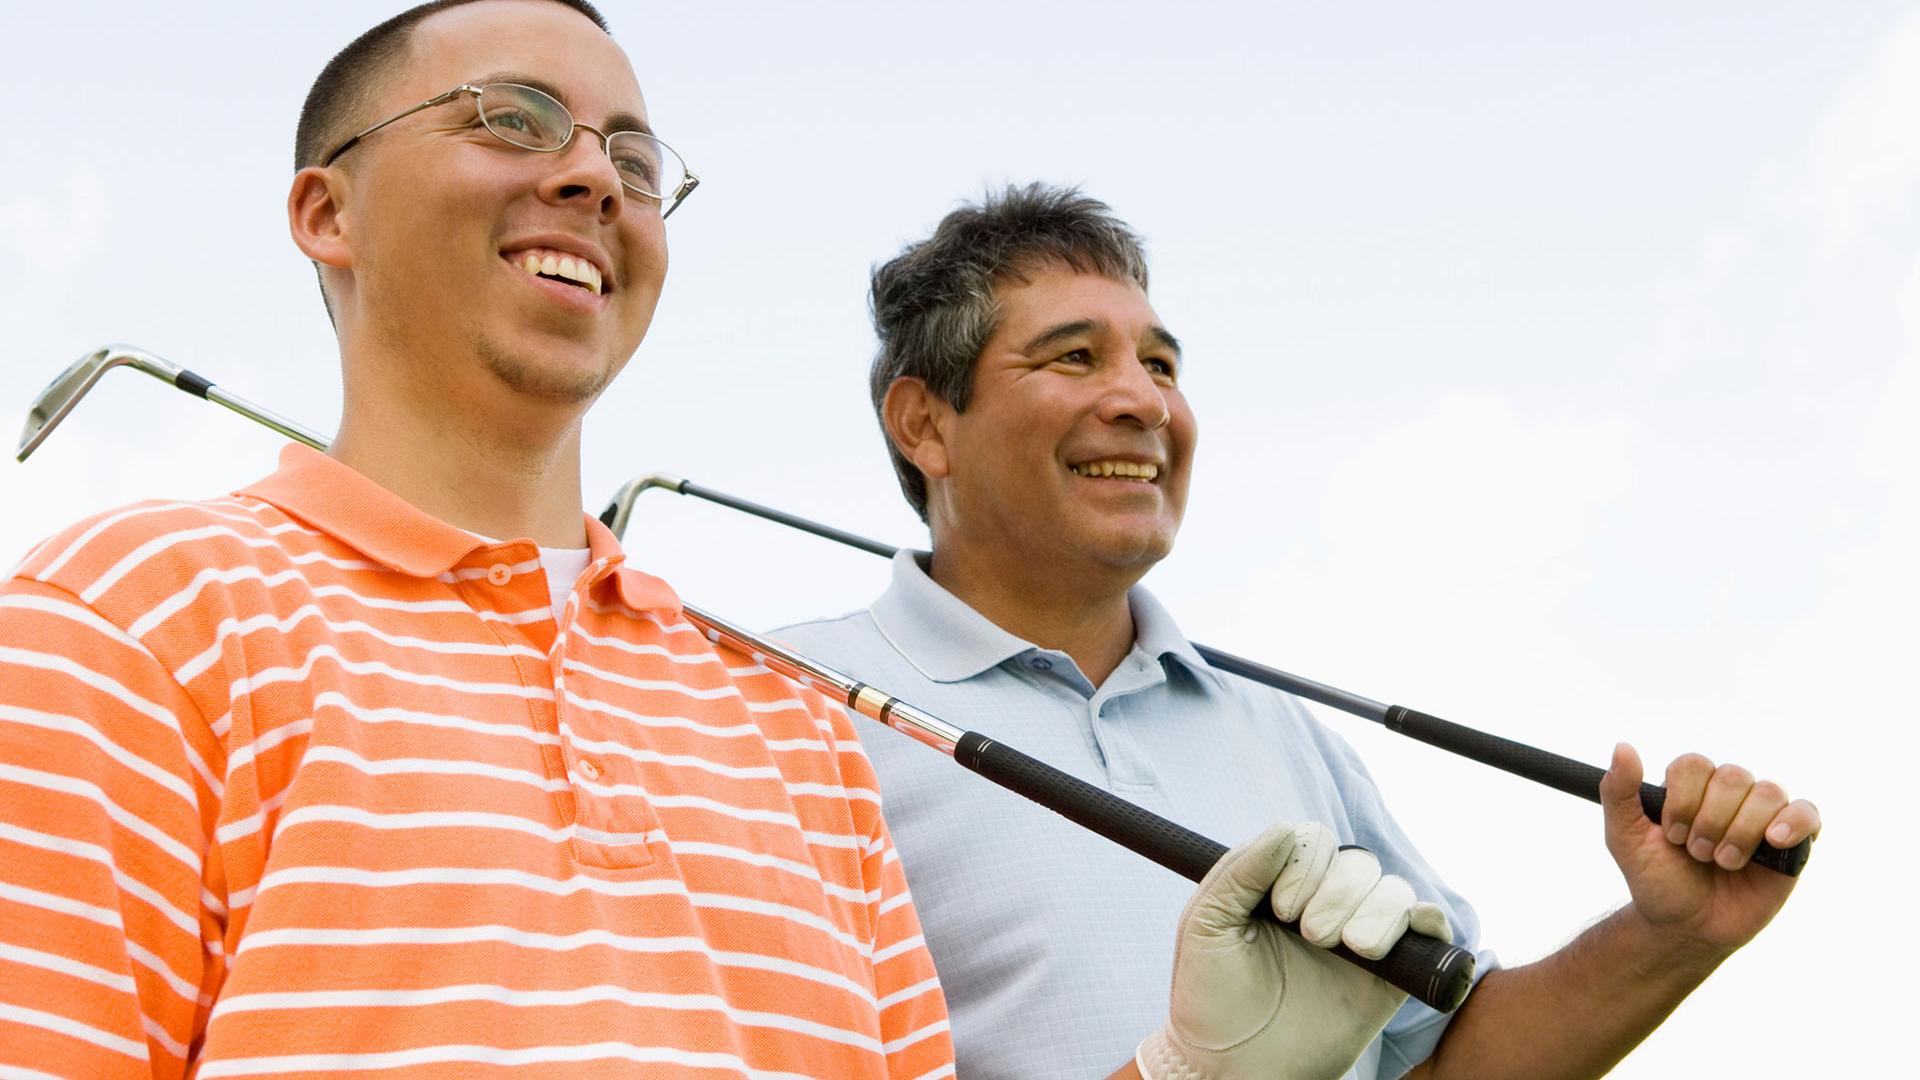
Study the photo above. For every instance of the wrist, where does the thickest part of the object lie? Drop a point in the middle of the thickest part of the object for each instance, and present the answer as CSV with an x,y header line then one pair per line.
x,y
1156,1059
1665,951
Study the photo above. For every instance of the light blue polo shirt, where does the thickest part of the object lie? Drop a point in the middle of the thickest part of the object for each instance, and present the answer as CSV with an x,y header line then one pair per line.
x,y
1055,946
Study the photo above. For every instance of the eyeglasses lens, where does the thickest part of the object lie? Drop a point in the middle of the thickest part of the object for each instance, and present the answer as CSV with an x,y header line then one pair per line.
x,y
524,116
528,118
646,164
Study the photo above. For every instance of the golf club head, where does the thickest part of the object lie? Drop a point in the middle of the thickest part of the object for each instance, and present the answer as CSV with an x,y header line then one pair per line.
x,y
621,508
67,388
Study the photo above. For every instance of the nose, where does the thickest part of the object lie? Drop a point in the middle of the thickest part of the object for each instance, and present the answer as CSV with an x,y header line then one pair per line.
x,y
585,176
1133,396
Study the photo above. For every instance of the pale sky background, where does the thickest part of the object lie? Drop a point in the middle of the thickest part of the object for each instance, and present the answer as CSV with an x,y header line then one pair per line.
x,y
1556,367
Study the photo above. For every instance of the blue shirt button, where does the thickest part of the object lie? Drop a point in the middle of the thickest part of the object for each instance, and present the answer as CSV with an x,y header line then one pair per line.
x,y
1041,663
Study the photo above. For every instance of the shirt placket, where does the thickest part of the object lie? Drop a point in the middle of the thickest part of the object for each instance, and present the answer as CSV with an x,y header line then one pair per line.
x,y
1129,767
612,818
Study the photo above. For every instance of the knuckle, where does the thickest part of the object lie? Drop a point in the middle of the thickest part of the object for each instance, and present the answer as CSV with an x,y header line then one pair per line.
x,y
1367,940
1733,775
1691,763
1769,791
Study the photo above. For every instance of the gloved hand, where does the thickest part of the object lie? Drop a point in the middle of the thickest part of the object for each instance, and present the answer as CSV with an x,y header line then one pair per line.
x,y
1254,1002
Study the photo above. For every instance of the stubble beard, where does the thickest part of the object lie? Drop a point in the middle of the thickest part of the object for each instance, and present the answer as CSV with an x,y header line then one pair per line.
x,y
528,376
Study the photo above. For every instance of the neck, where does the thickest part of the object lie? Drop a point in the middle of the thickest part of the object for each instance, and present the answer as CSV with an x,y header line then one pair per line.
x,y
457,458
1086,617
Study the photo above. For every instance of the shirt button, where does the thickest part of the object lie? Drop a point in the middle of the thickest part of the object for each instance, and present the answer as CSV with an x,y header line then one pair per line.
x,y
499,573
588,769
1041,663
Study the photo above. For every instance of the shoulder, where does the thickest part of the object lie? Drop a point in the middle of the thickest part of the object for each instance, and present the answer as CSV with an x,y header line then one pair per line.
x,y
1299,725
852,625
849,641
156,535
130,562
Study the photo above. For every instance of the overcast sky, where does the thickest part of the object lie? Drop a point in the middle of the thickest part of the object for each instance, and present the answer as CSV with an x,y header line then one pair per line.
x,y
1556,367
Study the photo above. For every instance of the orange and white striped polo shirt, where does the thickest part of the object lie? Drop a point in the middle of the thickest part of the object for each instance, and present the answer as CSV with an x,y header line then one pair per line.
x,y
304,781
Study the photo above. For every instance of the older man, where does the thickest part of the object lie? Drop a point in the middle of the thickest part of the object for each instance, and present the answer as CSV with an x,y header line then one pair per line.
x,y
1031,401
387,762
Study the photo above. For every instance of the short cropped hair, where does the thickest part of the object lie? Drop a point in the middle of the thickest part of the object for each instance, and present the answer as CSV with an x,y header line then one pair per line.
x,y
342,96
933,305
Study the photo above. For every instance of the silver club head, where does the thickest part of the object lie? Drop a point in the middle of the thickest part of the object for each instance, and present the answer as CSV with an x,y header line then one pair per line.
x,y
66,390
621,508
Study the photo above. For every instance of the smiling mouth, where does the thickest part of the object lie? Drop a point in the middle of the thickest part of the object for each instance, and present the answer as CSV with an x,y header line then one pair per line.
x,y
1117,470
566,269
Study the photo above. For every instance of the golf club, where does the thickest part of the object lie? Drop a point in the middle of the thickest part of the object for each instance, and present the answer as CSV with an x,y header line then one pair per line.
x,y
67,388
1532,763
1431,970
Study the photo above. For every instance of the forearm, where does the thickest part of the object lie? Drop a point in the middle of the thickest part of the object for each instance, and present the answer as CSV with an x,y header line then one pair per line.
x,y
1575,1013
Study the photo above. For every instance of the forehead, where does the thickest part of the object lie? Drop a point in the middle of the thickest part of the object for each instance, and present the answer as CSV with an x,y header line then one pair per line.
x,y
544,40
1054,292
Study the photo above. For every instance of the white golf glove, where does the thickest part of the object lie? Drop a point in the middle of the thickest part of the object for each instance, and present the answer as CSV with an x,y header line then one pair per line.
x,y
1254,1002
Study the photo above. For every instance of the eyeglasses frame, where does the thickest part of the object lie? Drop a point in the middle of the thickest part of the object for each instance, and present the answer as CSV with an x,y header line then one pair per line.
x,y
679,194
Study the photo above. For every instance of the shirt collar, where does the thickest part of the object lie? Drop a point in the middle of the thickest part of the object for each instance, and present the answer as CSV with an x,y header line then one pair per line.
x,y
935,630
1156,634
339,501
950,642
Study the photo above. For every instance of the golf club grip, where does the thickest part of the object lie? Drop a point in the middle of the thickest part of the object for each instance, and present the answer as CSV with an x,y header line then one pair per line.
x,y
1566,774
1427,968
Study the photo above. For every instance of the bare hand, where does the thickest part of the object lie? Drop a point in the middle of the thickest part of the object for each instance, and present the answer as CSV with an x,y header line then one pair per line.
x,y
1689,874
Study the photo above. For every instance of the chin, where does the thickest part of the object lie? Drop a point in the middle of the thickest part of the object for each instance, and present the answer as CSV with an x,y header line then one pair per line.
x,y
527,372
1131,550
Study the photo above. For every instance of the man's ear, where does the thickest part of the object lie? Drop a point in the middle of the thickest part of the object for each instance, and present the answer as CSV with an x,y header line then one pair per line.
x,y
917,422
316,219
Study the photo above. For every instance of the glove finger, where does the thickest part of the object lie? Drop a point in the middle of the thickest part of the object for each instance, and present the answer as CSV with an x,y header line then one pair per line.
x,y
1380,919
1431,920
1313,849
1352,876
1228,895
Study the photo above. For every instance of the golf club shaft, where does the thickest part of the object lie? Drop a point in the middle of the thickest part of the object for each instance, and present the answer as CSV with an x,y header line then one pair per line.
x,y
1435,972
1541,766
1429,969
199,386
254,412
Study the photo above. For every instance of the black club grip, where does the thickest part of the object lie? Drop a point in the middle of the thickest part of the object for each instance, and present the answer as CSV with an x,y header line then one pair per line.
x,y
1427,968
1566,774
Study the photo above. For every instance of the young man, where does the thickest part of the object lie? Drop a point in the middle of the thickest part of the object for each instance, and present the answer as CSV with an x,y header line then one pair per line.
x,y
387,762
1031,401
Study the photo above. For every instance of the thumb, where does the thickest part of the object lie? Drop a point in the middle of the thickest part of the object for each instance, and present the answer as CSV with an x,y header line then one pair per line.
x,y
1620,790
1225,901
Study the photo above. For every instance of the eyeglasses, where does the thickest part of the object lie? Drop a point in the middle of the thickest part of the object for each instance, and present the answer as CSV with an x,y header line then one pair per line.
x,y
533,120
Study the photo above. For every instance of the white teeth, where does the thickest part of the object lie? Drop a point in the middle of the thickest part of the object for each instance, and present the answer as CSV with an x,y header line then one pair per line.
x,y
572,269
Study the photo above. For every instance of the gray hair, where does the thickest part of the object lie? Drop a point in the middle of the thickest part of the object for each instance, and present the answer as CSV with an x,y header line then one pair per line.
x,y
933,304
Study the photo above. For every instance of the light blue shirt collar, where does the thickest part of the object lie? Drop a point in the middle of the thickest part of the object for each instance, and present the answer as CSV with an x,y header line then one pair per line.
x,y
949,642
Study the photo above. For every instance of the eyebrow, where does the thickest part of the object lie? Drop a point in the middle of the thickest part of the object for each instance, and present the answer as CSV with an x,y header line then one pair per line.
x,y
1166,339
616,121
1077,327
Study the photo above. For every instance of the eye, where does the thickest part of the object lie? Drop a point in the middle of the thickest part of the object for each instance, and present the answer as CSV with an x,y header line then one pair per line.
x,y
509,119
639,168
1077,356
1161,368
